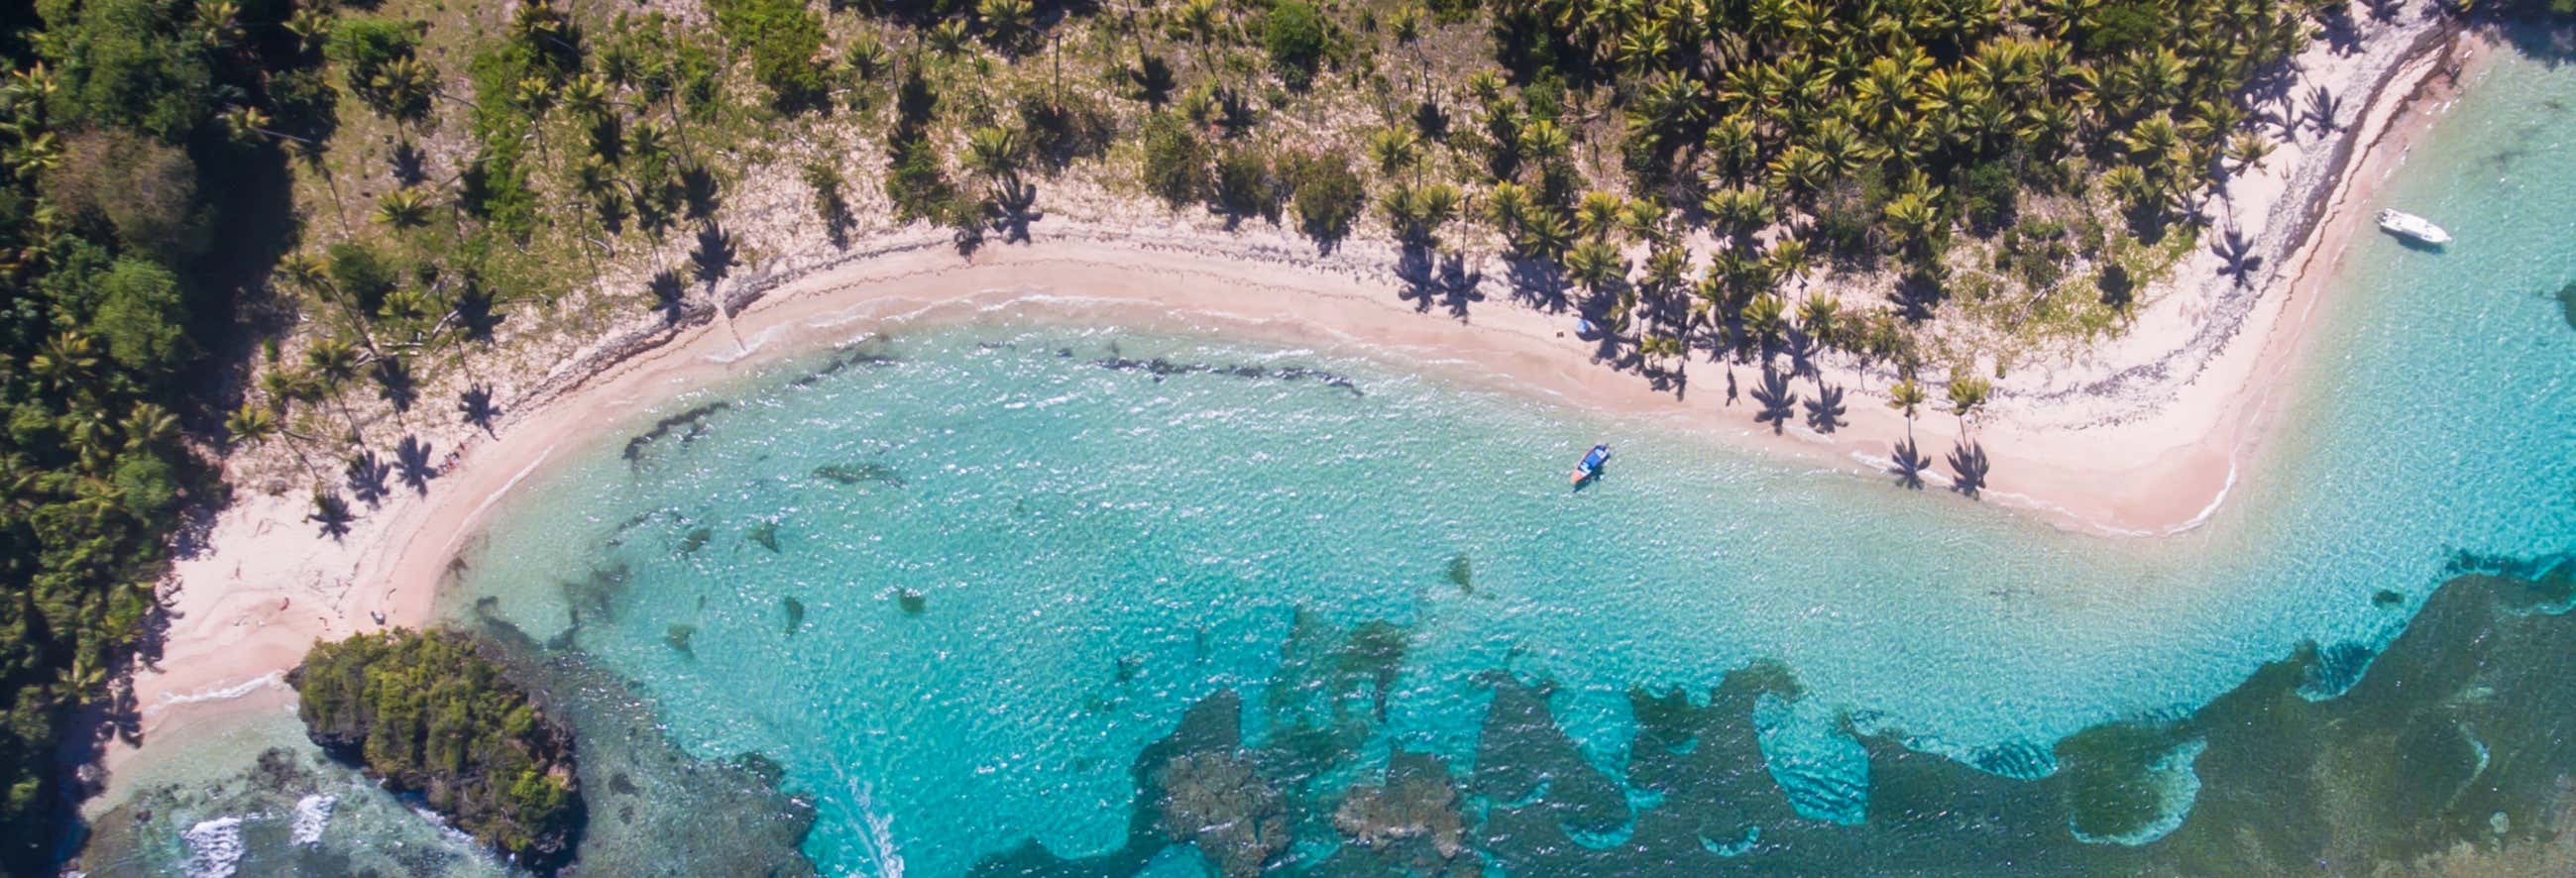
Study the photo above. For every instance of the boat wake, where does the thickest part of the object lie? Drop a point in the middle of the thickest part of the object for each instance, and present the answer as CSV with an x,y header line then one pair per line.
x,y
876,831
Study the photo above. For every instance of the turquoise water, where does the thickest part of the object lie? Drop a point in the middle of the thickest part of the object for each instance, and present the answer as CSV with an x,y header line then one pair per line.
x,y
1008,559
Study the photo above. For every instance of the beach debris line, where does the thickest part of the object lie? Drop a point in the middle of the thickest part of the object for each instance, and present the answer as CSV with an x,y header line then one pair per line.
x,y
1162,368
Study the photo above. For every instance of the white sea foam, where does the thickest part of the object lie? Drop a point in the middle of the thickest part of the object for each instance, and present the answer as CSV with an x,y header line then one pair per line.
x,y
214,848
224,691
312,813
747,347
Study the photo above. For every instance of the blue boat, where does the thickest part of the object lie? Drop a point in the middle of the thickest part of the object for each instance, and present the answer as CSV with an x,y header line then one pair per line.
x,y
1591,465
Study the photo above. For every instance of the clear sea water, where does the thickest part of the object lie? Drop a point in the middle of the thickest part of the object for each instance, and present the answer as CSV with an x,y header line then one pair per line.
x,y
1018,566
1008,559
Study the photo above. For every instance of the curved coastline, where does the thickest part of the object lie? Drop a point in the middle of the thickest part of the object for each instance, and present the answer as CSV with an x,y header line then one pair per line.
x,y
236,621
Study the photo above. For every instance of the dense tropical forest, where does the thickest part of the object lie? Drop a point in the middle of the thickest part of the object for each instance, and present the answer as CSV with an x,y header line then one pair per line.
x,y
427,713
322,232
117,288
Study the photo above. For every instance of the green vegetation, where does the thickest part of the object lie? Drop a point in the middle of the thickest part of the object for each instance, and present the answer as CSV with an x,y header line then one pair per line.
x,y
784,39
428,713
404,188
117,161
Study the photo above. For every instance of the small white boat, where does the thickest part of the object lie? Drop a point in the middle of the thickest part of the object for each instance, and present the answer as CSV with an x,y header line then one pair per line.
x,y
2401,223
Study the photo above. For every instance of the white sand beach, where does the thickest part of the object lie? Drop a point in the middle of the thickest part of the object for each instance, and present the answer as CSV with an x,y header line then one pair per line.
x,y
2143,438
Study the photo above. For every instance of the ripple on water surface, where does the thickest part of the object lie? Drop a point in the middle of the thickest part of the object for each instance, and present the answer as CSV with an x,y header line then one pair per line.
x,y
966,586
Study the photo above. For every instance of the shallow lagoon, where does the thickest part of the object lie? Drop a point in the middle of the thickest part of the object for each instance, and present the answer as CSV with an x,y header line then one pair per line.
x,y
960,582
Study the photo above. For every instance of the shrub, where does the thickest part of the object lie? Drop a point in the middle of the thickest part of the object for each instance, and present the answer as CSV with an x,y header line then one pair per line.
x,y
1296,40
142,317
1327,194
1245,186
131,65
360,274
1176,162
143,190
784,39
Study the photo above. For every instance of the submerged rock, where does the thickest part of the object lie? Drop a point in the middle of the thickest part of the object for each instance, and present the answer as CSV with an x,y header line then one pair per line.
x,y
1216,801
1411,822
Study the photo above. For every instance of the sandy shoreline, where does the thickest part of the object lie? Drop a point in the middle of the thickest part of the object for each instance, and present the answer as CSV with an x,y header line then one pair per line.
x,y
248,606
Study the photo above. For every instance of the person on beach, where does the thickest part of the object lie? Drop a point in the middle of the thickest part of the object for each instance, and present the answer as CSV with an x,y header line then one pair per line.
x,y
1730,386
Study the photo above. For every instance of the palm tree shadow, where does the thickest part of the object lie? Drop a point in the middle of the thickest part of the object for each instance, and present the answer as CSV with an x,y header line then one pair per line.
x,y
474,314
411,461
1014,208
1778,402
669,295
1968,460
332,514
1537,282
1908,465
1802,349
1433,278
714,256
477,407
366,477
395,384
1825,412
2237,256
408,164
698,191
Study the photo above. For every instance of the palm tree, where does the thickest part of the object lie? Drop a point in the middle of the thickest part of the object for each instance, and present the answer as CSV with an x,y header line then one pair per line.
x,y
333,365
305,272
1418,212
1763,319
1659,347
1739,211
1789,260
1593,263
994,151
1598,213
1967,394
1393,149
1820,317
311,27
251,425
404,208
1906,397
